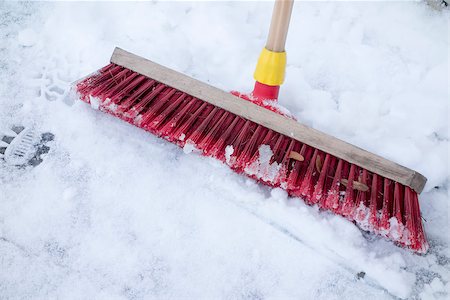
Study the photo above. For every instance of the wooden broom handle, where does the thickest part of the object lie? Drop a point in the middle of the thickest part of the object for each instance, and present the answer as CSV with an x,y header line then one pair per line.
x,y
279,25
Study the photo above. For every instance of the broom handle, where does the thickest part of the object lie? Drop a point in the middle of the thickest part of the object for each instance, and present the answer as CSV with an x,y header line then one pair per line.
x,y
279,25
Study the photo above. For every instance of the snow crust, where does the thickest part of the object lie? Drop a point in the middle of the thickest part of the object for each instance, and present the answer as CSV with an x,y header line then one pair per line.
x,y
115,213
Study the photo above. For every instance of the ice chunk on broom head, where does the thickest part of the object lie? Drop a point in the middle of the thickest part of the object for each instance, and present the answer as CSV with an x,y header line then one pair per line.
x,y
253,137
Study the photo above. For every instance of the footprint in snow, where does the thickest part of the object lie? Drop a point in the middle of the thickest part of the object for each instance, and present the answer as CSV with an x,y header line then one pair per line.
x,y
21,147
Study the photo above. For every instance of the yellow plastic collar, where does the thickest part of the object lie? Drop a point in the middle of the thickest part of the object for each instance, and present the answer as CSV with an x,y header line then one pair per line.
x,y
270,68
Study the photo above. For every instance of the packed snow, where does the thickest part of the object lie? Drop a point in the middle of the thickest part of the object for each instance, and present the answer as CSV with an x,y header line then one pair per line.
x,y
262,168
113,212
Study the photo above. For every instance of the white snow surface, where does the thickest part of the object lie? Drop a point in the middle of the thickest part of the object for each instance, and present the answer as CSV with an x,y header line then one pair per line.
x,y
116,213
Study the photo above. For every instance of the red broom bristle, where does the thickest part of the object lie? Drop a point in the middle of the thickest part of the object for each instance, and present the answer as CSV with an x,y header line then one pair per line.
x,y
387,206
251,146
333,197
375,203
362,203
295,168
320,185
373,206
307,183
205,143
284,170
349,201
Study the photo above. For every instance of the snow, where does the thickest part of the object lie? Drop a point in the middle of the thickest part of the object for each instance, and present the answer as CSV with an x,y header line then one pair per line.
x,y
113,212
27,37
95,102
189,147
229,150
262,168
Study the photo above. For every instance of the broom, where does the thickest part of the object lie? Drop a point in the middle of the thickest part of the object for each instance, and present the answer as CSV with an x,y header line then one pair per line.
x,y
251,135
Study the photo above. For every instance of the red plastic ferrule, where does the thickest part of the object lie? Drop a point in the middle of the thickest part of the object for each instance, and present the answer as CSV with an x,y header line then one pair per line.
x,y
265,92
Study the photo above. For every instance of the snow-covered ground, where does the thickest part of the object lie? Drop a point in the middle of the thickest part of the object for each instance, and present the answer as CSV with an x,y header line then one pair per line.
x,y
115,213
